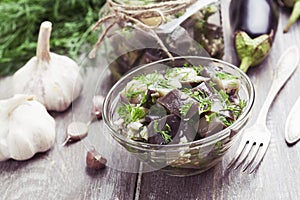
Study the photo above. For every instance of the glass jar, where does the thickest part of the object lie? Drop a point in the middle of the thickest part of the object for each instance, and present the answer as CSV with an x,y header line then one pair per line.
x,y
193,31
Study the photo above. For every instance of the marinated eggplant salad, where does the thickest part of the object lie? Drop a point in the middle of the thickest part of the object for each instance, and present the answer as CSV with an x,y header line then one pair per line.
x,y
178,105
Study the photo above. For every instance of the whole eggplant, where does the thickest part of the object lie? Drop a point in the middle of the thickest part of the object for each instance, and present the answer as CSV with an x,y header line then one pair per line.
x,y
295,4
254,23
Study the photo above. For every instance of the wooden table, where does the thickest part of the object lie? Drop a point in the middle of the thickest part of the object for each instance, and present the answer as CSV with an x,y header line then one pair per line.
x,y
61,172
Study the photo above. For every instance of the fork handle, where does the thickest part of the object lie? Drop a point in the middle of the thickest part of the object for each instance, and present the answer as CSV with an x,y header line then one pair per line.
x,y
262,116
287,64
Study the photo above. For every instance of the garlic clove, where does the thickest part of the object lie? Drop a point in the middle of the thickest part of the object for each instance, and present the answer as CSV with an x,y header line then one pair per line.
x,y
26,129
4,153
98,101
54,79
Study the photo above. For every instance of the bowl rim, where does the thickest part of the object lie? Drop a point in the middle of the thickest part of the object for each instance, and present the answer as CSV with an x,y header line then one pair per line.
x,y
207,140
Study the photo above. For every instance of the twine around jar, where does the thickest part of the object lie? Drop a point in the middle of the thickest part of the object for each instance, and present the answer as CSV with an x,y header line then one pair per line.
x,y
135,13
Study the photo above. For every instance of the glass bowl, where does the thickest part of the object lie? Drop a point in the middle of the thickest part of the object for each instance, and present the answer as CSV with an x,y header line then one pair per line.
x,y
180,159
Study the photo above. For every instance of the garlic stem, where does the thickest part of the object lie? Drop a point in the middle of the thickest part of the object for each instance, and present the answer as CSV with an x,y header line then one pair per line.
x,y
11,105
43,44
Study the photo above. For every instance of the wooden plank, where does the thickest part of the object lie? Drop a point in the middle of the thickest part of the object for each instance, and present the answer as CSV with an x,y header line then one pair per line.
x,y
278,174
61,172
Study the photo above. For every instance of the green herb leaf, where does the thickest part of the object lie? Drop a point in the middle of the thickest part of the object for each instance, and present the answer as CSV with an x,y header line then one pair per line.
x,y
225,76
198,69
184,109
208,118
224,97
243,104
204,105
204,102
132,94
164,133
224,120
131,113
153,78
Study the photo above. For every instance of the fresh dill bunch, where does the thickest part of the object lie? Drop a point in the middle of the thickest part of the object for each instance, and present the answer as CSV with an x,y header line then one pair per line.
x,y
20,23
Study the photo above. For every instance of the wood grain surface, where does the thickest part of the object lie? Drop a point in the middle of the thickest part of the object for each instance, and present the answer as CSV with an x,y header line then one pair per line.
x,y
61,173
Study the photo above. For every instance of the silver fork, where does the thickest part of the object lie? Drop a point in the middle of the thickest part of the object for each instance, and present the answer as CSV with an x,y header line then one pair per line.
x,y
256,138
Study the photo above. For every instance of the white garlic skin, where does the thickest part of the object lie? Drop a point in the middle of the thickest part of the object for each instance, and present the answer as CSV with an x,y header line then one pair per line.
x,y
55,84
26,128
54,79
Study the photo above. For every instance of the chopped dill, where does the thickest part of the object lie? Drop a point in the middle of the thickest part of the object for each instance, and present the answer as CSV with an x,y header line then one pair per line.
x,y
132,94
130,113
163,133
237,109
198,69
209,117
186,64
223,119
204,105
184,109
225,76
224,97
243,104
204,102
149,79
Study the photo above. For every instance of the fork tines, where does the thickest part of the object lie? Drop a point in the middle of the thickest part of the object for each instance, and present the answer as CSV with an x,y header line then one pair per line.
x,y
250,153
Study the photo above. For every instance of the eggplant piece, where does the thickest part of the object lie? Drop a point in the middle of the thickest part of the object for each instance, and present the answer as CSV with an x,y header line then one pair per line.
x,y
156,139
186,133
150,99
208,35
217,104
207,128
174,100
156,112
134,91
192,112
167,125
174,127
254,23
139,139
227,82
227,114
205,89
186,75
234,98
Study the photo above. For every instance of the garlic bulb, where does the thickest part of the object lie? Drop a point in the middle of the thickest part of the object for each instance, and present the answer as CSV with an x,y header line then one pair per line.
x,y
54,79
26,128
